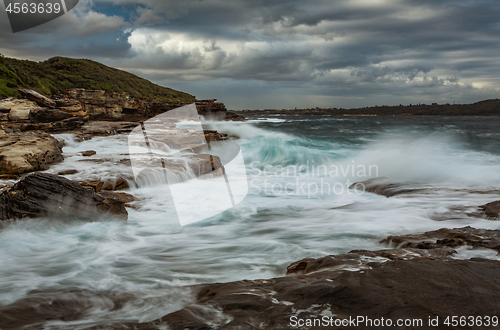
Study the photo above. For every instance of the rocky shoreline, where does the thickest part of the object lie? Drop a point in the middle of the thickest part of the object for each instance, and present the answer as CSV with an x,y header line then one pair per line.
x,y
420,280
419,276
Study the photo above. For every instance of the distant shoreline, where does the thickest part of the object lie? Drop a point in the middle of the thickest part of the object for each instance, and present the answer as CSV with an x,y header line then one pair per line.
x,y
482,108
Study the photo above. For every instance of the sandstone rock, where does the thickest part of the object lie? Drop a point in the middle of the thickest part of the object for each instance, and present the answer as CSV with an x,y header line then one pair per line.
x,y
73,107
106,128
116,184
109,185
88,153
95,186
53,127
42,195
38,98
19,110
99,104
28,152
44,115
63,102
4,117
9,177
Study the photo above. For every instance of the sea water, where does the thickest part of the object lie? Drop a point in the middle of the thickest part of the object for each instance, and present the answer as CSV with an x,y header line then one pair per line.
x,y
299,205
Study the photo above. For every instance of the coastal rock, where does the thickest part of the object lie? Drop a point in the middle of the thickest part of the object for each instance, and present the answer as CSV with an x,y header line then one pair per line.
x,y
491,210
53,127
73,107
38,98
415,284
100,104
211,135
88,153
28,152
106,128
481,238
19,110
109,185
68,172
232,116
42,194
44,115
395,284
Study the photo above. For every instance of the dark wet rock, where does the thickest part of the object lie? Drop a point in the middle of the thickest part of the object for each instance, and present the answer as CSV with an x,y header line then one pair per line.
x,y
491,210
33,311
106,128
28,152
88,153
232,116
125,198
61,126
394,284
44,115
381,186
109,184
68,172
38,98
481,238
42,194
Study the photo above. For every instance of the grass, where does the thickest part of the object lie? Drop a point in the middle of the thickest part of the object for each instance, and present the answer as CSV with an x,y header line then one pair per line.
x,y
54,76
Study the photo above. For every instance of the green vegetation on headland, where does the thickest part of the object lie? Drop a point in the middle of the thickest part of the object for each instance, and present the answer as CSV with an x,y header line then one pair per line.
x,y
54,76
482,108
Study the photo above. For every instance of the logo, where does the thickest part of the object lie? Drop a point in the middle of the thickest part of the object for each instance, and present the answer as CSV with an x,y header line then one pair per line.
x,y
26,14
205,178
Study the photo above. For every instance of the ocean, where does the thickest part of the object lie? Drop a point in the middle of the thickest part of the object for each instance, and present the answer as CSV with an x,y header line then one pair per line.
x,y
299,205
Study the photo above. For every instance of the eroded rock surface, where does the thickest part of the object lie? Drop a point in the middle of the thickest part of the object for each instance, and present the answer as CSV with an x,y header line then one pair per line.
x,y
28,152
42,194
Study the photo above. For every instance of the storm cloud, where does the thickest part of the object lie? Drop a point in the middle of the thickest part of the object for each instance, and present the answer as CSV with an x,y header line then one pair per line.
x,y
285,54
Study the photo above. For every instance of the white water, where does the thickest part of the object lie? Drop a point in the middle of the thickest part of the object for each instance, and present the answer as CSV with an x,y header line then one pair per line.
x,y
152,257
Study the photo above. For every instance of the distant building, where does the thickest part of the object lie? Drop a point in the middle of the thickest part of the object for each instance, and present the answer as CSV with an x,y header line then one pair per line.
x,y
434,104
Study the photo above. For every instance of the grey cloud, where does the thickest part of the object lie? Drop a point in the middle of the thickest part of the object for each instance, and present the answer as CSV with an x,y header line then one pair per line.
x,y
322,48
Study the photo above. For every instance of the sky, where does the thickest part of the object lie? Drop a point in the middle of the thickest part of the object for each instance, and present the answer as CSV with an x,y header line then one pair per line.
x,y
275,54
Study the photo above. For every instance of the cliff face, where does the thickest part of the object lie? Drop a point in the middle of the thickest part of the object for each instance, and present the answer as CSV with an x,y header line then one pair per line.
x,y
103,105
77,106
